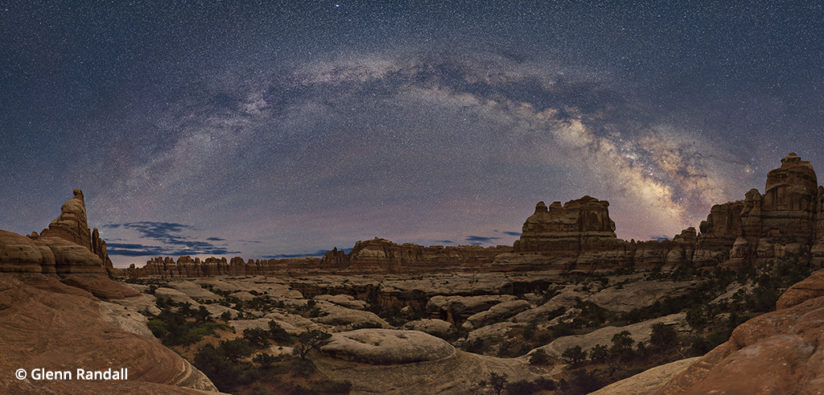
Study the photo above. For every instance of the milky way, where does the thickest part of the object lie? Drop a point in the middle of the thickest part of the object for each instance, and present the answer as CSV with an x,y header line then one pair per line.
x,y
270,130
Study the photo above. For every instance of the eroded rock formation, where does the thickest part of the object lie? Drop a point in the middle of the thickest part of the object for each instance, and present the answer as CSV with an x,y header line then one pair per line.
x,y
782,347
66,246
579,236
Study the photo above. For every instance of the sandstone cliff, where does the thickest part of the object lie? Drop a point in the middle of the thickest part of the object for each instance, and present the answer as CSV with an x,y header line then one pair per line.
x,y
66,246
774,353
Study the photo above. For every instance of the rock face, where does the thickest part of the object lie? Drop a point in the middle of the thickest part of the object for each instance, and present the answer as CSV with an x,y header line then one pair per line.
x,y
387,346
580,230
783,221
777,352
66,246
45,323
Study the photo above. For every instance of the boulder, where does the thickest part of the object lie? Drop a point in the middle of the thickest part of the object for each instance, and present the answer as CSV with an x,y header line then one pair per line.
x,y
332,314
640,332
387,346
435,327
496,313
343,300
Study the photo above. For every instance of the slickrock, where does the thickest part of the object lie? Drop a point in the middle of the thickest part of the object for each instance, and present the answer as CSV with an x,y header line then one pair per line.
x,y
776,352
45,323
434,327
640,332
458,308
639,294
332,314
387,346
194,291
461,373
174,295
343,300
648,381
495,313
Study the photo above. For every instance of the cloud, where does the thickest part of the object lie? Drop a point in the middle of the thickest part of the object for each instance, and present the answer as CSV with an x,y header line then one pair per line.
x,y
318,253
167,239
481,239
510,233
131,249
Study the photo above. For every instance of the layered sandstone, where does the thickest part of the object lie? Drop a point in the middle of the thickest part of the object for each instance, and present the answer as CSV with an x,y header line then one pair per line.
x,y
579,236
777,353
45,323
67,246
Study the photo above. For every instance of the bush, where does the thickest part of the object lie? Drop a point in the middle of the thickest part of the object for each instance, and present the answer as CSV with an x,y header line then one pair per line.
x,y
307,341
257,337
622,346
599,354
663,337
498,381
574,356
279,335
235,349
158,328
539,357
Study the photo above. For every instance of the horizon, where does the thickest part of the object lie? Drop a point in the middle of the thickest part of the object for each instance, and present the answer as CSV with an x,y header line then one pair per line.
x,y
241,130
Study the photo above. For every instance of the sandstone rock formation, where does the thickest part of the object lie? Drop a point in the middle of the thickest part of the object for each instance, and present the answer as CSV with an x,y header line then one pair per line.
x,y
66,246
47,324
575,237
783,221
777,352
387,346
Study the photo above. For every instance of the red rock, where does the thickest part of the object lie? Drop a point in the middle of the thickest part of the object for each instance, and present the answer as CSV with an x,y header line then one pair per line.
x,y
774,353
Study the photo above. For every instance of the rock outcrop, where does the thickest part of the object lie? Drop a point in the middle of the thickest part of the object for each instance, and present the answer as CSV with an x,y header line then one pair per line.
x,y
45,323
65,247
777,352
575,237
387,346
782,221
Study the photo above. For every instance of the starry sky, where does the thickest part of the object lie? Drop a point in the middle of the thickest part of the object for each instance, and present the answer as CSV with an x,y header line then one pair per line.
x,y
277,129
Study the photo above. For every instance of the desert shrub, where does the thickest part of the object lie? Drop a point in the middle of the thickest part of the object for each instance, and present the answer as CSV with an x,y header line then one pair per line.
x,y
266,360
599,354
663,337
158,328
574,356
226,316
696,318
522,387
222,370
257,337
513,348
174,329
622,346
583,382
235,349
278,334
307,341
539,357
302,367
498,382
562,329
699,346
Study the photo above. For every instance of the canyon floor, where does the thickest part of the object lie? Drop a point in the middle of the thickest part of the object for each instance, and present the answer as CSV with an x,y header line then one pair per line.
x,y
525,332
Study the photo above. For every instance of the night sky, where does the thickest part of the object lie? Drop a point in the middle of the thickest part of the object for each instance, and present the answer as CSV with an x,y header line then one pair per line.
x,y
288,128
